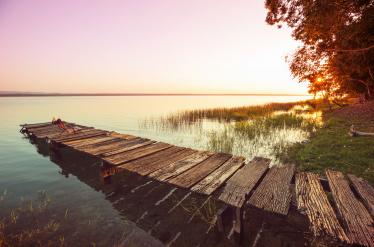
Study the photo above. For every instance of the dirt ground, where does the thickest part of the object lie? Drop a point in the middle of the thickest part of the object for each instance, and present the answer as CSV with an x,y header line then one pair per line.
x,y
361,115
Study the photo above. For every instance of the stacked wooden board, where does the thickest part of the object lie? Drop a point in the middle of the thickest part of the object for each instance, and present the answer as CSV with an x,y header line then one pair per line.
x,y
347,219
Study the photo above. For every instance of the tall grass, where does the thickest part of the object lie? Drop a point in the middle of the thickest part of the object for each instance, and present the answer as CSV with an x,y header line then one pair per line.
x,y
264,130
266,136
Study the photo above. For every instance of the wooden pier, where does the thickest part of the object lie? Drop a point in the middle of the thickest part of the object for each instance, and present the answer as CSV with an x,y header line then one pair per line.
x,y
347,220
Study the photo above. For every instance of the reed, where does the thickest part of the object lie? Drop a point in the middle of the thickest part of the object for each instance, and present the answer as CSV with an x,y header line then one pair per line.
x,y
262,130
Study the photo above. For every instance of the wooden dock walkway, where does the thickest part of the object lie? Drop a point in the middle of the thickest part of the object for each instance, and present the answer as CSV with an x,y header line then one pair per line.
x,y
348,219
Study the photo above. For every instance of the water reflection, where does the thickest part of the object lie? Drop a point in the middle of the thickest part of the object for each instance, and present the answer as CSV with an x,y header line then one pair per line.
x,y
158,208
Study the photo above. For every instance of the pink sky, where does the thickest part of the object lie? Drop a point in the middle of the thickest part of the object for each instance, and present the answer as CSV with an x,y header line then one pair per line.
x,y
143,46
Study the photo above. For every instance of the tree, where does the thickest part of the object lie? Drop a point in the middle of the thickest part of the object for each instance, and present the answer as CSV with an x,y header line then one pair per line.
x,y
337,52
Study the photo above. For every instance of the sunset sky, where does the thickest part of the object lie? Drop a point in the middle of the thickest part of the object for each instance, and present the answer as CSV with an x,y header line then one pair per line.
x,y
143,46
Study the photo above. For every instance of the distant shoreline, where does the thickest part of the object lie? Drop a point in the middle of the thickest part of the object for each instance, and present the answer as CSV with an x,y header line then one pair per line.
x,y
132,94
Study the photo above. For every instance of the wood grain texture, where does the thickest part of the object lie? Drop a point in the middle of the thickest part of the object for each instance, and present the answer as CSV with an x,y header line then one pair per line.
x,y
178,167
242,183
365,191
35,125
274,194
212,182
136,153
45,132
113,145
89,141
81,135
203,169
130,145
62,133
359,225
165,162
312,200
148,160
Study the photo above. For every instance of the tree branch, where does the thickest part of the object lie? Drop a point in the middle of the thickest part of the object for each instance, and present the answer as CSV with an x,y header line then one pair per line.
x,y
353,50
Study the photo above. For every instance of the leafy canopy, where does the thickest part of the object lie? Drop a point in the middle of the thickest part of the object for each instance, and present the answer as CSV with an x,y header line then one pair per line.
x,y
337,52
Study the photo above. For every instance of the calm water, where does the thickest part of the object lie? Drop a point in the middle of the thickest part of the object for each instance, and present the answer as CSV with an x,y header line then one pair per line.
x,y
24,171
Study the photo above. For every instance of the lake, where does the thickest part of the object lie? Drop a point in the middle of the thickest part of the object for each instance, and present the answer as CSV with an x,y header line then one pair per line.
x,y
28,173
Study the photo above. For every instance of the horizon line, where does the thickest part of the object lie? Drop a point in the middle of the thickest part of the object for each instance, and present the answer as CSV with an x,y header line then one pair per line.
x,y
27,94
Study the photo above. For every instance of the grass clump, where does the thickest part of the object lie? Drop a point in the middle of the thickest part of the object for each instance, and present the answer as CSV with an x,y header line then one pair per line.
x,y
266,136
184,119
331,147
31,224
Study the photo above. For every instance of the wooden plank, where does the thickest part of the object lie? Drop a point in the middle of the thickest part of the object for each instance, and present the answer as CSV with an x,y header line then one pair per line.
x,y
358,223
110,146
312,200
35,125
93,146
49,133
42,130
273,194
147,160
63,133
164,162
80,135
89,141
212,182
85,135
200,171
242,183
59,133
123,136
46,130
174,169
135,144
365,191
136,153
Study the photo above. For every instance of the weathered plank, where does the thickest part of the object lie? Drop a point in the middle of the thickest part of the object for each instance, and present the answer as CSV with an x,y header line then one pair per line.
x,y
110,146
48,129
212,182
88,148
312,200
61,133
165,162
178,167
136,153
242,183
123,136
131,145
29,126
42,129
197,173
80,135
89,141
273,194
365,191
148,160
45,131
359,225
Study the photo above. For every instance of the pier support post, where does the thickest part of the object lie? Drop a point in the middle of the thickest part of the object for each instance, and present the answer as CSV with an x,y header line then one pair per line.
x,y
106,172
223,217
52,145
238,224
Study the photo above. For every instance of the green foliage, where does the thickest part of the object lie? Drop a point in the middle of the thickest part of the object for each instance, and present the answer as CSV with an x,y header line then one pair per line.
x,y
331,147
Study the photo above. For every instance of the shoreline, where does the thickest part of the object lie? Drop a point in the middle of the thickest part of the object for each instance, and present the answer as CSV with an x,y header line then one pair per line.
x,y
136,94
